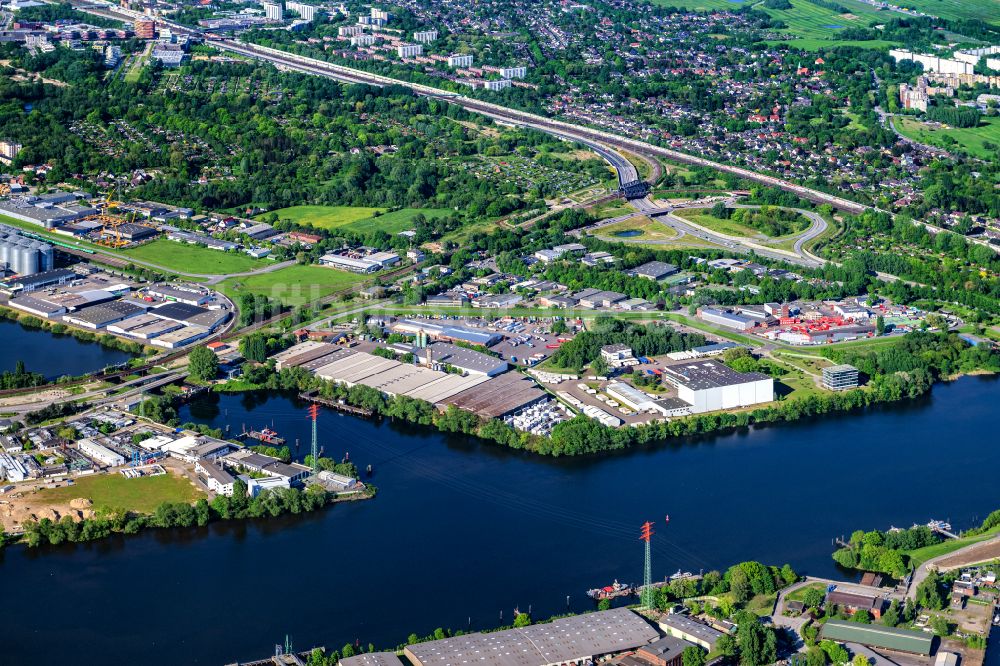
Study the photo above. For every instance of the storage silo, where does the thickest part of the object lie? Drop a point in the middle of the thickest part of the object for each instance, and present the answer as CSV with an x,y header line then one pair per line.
x,y
48,258
27,260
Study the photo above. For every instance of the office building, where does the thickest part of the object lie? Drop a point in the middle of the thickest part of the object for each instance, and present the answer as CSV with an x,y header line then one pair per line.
x,y
618,355
100,453
840,377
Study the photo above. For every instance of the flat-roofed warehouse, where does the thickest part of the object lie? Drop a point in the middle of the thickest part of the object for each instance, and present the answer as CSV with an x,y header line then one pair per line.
x,y
878,636
499,396
572,639
709,385
307,350
99,316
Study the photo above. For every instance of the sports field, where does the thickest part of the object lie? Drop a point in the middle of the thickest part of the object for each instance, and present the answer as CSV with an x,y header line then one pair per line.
x,y
116,493
982,141
355,218
293,286
186,258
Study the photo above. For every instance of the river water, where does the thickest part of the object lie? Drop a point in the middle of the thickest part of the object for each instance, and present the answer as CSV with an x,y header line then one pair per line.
x,y
52,355
462,531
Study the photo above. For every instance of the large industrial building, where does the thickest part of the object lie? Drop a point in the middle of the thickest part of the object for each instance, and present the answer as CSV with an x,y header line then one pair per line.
x,y
46,210
477,392
878,636
577,639
727,319
708,385
447,332
24,256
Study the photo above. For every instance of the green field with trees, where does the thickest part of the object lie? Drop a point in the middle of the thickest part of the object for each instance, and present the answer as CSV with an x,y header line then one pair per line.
x,y
356,219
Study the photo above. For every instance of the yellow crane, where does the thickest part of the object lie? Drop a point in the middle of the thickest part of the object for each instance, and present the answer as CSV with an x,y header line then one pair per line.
x,y
111,235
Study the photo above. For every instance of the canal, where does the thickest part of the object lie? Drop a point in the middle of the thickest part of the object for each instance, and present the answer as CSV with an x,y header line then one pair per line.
x,y
462,531
53,355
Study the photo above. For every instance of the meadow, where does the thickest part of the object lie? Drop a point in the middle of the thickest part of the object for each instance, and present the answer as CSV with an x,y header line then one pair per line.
x,y
113,492
357,219
185,258
294,285
981,142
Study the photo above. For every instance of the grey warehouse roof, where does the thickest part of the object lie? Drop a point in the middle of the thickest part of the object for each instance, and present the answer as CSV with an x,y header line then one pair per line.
x,y
564,640
700,375
99,314
691,627
178,311
373,659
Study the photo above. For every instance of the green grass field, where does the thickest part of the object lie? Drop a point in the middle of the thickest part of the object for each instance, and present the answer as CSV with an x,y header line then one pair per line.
x,y
815,26
972,140
116,493
800,594
648,230
921,555
982,10
355,218
193,259
702,217
293,286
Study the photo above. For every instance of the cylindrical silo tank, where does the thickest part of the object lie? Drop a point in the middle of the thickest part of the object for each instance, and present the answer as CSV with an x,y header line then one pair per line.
x,y
28,259
5,248
48,258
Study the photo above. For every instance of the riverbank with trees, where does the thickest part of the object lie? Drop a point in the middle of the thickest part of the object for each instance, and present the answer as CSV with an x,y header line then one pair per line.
x,y
897,372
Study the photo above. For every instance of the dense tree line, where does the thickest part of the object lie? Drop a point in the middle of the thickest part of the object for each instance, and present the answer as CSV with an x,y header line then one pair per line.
x,y
954,116
644,340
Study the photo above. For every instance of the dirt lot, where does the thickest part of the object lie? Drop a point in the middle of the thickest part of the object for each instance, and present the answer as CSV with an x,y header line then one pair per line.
x,y
984,552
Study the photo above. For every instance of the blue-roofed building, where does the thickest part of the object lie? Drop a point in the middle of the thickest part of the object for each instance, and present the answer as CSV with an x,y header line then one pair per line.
x,y
447,333
714,348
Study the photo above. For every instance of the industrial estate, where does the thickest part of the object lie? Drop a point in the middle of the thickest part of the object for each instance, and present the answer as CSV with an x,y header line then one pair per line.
x,y
554,229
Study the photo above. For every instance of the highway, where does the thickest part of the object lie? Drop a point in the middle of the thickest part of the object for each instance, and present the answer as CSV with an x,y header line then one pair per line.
x,y
603,142
571,131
